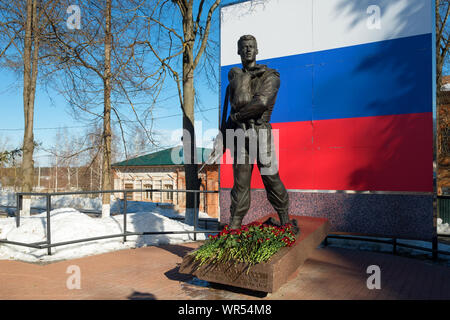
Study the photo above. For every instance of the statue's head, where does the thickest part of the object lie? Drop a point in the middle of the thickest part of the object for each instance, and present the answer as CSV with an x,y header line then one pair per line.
x,y
247,48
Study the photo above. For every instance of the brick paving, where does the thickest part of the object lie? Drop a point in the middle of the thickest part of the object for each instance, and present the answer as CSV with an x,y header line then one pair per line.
x,y
152,273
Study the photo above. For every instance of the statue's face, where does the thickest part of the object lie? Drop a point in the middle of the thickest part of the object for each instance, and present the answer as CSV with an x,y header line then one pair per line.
x,y
248,50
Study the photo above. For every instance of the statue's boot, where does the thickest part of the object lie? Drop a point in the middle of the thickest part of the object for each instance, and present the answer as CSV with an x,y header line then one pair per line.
x,y
236,222
284,219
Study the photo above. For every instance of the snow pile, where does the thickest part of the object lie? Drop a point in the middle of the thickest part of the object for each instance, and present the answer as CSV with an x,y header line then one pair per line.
x,y
7,198
69,224
442,228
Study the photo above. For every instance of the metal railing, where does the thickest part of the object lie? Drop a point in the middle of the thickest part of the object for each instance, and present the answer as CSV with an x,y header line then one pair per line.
x,y
392,241
434,250
47,244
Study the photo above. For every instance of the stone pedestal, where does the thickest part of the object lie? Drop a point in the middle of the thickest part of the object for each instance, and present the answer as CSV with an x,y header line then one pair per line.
x,y
268,276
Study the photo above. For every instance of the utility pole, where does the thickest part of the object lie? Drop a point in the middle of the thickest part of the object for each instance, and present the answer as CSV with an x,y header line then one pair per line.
x,y
68,177
56,175
39,178
101,171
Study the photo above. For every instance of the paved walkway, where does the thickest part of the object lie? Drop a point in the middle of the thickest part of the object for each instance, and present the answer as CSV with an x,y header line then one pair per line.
x,y
152,273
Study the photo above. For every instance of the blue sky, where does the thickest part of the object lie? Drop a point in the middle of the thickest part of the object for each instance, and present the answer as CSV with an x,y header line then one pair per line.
x,y
52,113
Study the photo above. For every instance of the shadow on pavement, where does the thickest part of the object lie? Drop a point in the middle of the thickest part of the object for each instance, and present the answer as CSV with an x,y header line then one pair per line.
x,y
136,295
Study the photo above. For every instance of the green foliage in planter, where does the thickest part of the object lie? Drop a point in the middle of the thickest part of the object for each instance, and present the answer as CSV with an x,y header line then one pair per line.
x,y
251,244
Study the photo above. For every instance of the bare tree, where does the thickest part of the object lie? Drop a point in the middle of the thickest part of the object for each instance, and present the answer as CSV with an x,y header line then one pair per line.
x,y
442,59
8,166
178,38
137,144
101,59
23,31
7,156
442,38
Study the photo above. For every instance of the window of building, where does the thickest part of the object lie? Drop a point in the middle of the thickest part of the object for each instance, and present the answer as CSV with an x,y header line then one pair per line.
x,y
129,186
148,194
445,140
168,195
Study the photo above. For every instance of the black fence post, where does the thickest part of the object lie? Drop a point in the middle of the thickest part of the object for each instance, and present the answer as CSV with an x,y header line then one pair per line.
x,y
49,237
435,248
125,216
195,215
19,207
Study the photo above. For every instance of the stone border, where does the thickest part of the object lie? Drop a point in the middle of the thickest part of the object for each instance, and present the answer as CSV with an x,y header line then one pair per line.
x,y
268,276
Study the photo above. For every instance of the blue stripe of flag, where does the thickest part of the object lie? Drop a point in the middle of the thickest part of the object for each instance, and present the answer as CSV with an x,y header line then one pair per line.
x,y
382,78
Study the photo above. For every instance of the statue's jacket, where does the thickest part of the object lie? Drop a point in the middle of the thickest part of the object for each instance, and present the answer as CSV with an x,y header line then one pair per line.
x,y
255,98
252,95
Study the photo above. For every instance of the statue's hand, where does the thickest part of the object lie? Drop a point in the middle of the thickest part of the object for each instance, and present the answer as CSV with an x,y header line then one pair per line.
x,y
234,117
233,122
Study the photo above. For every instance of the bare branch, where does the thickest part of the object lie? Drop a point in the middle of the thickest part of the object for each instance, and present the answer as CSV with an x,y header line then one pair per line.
x,y
206,33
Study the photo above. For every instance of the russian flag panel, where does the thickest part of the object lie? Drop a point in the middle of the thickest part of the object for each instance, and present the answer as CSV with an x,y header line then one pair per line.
x,y
354,110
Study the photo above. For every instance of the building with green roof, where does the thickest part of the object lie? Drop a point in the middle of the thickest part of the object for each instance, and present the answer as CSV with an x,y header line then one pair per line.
x,y
166,157
164,169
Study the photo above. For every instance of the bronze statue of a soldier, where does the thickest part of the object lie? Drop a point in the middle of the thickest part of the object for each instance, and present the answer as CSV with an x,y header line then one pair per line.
x,y
252,93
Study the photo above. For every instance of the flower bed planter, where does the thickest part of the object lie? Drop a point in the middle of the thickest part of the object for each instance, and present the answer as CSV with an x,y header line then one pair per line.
x,y
268,276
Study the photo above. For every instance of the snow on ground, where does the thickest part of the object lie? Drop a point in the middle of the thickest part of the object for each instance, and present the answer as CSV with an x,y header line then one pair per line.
x,y
68,224
442,228
7,198
81,202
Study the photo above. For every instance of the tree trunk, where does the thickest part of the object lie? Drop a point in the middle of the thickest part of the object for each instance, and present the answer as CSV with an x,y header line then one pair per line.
x,y
438,46
106,163
30,61
439,66
189,146
56,175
